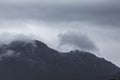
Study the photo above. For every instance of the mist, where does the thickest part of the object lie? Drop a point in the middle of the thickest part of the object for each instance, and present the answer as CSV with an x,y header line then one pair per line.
x,y
94,24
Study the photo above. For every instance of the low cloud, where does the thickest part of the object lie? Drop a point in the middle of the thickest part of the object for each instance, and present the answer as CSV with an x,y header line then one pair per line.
x,y
80,41
6,38
10,53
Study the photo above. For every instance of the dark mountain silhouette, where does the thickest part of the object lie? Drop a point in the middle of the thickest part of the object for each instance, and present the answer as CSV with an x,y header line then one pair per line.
x,y
21,60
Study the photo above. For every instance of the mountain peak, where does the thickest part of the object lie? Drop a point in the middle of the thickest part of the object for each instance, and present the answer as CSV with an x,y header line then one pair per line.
x,y
37,58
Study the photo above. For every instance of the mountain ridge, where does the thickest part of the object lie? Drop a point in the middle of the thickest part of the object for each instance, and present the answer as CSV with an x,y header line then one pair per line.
x,y
43,62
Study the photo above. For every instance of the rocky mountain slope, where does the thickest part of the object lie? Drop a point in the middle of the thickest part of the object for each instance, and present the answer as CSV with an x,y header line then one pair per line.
x,y
21,60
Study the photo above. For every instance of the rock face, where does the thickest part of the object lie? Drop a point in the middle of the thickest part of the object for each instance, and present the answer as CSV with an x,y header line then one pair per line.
x,y
20,60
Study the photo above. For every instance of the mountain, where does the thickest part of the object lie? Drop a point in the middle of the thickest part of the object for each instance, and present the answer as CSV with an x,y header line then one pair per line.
x,y
22,60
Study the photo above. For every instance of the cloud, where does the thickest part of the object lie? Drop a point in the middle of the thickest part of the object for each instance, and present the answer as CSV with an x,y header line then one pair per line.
x,y
100,19
10,53
81,41
6,38
98,12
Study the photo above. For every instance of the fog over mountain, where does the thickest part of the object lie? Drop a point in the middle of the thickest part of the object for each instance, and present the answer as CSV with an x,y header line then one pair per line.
x,y
96,21
22,60
81,41
59,39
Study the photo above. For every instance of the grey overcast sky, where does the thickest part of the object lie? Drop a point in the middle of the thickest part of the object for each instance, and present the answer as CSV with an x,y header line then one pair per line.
x,y
91,25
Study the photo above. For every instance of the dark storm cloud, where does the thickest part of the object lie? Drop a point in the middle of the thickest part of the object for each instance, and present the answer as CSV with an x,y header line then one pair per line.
x,y
96,12
80,41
